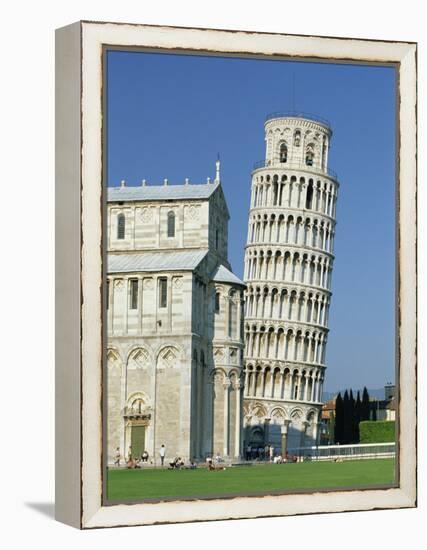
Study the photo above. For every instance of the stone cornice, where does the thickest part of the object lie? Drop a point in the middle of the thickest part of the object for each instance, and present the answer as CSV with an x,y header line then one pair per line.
x,y
281,323
294,211
304,249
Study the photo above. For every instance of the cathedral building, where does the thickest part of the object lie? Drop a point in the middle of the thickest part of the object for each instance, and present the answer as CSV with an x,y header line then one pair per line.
x,y
288,268
174,358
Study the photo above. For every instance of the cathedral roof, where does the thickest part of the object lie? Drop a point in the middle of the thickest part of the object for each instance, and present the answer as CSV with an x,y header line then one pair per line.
x,y
161,192
183,260
224,275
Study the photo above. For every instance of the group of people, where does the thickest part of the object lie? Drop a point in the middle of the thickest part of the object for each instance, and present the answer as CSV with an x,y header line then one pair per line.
x,y
267,453
131,461
259,453
216,465
179,464
279,459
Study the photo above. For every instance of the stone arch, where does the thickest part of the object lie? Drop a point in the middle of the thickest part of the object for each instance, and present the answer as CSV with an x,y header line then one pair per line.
x,y
278,415
217,374
139,357
138,407
312,415
113,356
256,437
283,151
169,356
258,410
140,397
296,415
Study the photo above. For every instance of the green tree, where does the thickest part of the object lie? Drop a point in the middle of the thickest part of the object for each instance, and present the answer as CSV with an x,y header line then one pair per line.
x,y
357,417
346,437
338,428
365,409
352,418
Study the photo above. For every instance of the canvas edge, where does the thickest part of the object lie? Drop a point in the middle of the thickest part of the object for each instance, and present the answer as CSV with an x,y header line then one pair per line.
x,y
67,274
94,35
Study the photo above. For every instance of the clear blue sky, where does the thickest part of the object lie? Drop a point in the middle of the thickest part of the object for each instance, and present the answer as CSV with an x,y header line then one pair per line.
x,y
169,116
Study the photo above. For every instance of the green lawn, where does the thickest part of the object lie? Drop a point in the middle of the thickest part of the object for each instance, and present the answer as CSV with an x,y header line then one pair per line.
x,y
154,484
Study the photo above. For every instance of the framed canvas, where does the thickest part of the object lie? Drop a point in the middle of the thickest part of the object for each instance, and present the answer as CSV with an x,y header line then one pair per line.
x,y
186,391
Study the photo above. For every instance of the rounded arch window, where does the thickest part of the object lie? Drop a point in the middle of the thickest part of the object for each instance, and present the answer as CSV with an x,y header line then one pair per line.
x,y
283,152
297,138
217,302
309,155
121,226
171,224
137,405
309,197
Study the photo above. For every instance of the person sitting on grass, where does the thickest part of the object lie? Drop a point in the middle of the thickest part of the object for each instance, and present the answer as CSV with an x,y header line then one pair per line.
x,y
173,464
144,456
215,467
176,464
132,464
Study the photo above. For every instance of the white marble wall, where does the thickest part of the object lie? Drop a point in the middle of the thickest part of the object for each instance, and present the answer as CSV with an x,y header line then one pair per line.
x,y
177,370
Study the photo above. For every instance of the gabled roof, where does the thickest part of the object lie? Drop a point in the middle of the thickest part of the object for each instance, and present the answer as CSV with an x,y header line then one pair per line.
x,y
155,261
224,275
161,192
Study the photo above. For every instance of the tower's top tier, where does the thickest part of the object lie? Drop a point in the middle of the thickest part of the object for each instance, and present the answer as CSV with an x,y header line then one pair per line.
x,y
297,141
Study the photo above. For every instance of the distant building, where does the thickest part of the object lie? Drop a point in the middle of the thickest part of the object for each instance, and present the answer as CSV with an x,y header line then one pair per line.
x,y
379,409
327,423
384,409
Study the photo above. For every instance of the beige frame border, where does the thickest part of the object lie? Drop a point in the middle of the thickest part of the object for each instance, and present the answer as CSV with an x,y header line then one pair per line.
x,y
79,271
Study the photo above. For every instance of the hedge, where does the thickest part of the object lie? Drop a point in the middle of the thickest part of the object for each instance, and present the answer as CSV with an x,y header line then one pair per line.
x,y
380,431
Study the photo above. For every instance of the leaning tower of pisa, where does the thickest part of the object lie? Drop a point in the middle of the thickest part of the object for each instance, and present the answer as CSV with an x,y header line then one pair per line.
x,y
288,268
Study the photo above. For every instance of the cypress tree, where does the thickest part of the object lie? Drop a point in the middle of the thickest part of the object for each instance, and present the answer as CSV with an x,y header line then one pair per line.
x,y
352,418
338,430
365,405
346,419
357,415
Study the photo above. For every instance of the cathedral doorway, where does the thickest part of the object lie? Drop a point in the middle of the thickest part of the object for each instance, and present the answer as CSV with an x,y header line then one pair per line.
x,y
137,416
137,439
257,437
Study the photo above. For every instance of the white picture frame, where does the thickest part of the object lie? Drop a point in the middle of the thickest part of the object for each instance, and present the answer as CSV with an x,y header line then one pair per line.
x,y
79,269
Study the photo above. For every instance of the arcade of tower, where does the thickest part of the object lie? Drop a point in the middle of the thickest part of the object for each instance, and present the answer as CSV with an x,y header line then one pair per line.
x,y
288,271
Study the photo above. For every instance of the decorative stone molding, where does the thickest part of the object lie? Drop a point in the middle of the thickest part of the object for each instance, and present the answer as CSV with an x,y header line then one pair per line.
x,y
168,357
139,359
